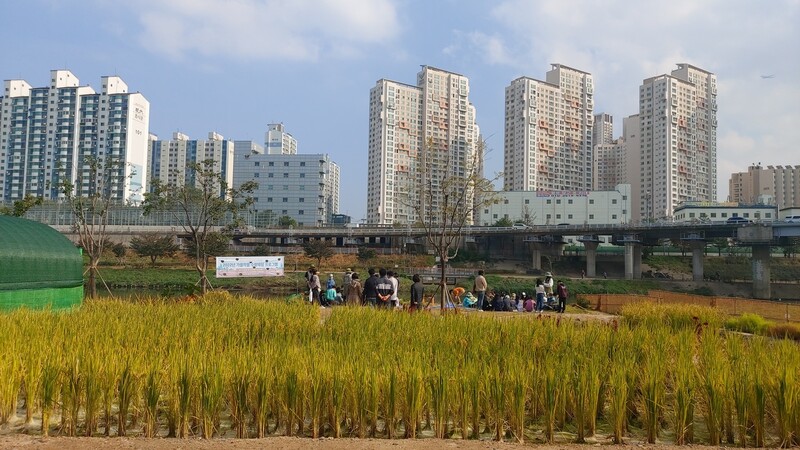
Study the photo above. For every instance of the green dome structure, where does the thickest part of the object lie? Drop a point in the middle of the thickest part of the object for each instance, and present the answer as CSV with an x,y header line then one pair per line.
x,y
39,267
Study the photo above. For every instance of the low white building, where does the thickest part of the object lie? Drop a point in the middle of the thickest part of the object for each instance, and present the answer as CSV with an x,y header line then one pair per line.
x,y
720,212
554,207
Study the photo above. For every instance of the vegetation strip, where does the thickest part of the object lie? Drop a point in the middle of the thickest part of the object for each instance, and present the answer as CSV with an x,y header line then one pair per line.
x,y
247,368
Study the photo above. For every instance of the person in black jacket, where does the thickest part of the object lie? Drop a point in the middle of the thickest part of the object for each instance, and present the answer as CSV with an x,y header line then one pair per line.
x,y
370,293
385,290
417,293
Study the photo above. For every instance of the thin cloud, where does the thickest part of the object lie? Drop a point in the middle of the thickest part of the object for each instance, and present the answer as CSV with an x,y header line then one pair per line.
x,y
264,30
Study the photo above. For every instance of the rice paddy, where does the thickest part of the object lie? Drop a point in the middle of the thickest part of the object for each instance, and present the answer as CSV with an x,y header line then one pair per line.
x,y
246,368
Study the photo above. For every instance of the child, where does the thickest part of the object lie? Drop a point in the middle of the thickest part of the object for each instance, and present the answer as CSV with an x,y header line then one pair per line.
x,y
330,296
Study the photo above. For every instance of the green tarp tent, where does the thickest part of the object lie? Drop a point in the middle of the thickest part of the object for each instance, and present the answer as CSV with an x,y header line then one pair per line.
x,y
39,267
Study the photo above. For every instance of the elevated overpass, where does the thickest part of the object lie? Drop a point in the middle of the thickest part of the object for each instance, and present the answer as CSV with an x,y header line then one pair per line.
x,y
539,240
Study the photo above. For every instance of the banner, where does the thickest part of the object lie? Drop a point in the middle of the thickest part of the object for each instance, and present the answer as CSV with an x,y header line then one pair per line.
x,y
249,266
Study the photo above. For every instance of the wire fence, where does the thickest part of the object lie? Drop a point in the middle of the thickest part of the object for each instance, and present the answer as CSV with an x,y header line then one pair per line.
x,y
732,306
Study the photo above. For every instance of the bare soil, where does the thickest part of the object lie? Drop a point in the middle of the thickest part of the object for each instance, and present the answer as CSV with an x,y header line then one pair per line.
x,y
17,441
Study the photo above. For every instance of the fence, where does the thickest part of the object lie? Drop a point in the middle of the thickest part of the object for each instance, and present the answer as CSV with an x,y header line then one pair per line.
x,y
776,311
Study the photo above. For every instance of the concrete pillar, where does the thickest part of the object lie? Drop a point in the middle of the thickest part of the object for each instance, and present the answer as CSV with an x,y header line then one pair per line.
x,y
591,258
698,248
630,249
637,262
761,273
537,257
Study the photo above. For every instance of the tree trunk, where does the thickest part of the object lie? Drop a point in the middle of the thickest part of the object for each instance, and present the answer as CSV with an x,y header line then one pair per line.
x,y
443,281
92,283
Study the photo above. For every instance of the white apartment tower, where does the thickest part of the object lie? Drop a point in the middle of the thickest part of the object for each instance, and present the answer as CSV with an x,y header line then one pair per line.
x,y
610,165
678,126
603,132
278,142
548,132
417,134
168,161
52,134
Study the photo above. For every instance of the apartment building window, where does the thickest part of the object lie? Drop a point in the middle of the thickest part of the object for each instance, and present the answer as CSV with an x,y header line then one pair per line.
x,y
269,199
271,163
591,216
285,175
301,200
549,202
302,163
300,212
558,202
613,217
613,201
286,164
527,201
302,175
256,175
269,175
285,199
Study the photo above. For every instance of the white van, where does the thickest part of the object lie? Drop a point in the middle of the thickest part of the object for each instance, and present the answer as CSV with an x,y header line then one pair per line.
x,y
792,219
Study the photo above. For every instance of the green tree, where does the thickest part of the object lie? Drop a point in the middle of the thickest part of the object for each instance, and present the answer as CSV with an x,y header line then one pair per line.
x,y
201,205
720,244
287,222
319,249
792,248
154,246
365,253
20,207
215,244
503,222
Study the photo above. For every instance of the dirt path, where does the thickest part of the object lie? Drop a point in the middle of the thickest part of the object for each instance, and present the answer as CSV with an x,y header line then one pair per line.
x,y
288,443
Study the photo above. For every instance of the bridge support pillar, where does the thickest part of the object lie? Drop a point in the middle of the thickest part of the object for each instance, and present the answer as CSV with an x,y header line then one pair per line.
x,y
633,261
591,258
698,248
536,262
761,272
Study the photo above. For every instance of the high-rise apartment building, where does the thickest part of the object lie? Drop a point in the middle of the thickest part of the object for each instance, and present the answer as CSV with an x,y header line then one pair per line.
x,y
610,165
278,142
678,120
66,132
548,132
418,135
773,185
303,187
168,161
603,131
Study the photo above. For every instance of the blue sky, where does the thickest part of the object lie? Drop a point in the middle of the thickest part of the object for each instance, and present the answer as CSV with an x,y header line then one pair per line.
x,y
233,66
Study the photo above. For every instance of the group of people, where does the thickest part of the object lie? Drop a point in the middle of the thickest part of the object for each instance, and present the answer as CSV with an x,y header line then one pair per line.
x,y
380,289
547,296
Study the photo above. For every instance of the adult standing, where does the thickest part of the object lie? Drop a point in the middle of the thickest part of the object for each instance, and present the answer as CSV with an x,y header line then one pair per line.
x,y
417,293
394,301
479,287
548,285
309,273
314,286
370,293
562,293
355,293
348,277
385,289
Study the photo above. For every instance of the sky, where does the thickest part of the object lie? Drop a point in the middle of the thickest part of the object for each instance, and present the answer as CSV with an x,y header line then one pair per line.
x,y
234,66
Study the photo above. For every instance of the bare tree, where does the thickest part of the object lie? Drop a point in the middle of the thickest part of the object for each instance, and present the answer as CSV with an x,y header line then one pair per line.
x,y
201,205
98,185
447,199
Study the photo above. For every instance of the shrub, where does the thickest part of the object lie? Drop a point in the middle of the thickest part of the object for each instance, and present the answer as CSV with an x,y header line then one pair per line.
x,y
784,330
748,323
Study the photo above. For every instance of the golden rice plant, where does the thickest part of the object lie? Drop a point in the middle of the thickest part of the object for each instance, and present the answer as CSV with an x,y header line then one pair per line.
x,y
713,383
684,385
